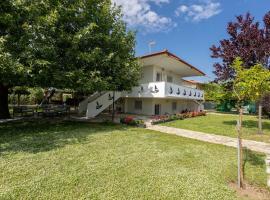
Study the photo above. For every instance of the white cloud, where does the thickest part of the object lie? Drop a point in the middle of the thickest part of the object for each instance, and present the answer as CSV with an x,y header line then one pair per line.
x,y
198,12
139,14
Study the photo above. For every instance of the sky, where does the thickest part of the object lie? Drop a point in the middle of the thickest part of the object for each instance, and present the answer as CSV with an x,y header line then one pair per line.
x,y
187,28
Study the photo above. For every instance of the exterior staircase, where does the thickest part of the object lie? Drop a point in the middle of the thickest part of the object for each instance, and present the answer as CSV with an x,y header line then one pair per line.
x,y
101,102
83,104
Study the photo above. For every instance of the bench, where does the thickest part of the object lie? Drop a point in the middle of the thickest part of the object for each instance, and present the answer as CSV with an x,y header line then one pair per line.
x,y
23,111
51,111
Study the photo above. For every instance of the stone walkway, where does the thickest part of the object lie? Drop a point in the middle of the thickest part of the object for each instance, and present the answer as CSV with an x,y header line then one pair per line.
x,y
216,139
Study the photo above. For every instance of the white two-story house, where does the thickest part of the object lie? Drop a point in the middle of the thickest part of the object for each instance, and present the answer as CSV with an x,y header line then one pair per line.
x,y
161,89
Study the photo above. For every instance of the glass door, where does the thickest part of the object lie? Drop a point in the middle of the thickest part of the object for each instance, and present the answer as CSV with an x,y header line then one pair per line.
x,y
157,109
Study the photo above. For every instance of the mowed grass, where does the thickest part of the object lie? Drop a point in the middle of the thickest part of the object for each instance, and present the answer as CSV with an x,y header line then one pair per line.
x,y
225,124
68,160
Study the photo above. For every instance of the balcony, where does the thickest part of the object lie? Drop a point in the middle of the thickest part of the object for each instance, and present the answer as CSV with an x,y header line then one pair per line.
x,y
165,89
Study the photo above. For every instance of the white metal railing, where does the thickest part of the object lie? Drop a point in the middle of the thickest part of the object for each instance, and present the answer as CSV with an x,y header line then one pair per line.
x,y
165,89
173,90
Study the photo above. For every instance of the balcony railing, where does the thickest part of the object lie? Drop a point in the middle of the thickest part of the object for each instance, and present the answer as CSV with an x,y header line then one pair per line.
x,y
165,89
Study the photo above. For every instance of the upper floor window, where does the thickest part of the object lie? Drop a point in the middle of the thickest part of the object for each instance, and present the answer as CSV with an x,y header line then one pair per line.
x,y
169,79
158,76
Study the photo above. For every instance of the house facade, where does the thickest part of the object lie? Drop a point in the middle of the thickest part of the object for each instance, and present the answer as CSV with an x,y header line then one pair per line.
x,y
161,89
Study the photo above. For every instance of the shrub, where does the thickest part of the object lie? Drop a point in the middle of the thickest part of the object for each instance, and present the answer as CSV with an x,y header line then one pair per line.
x,y
131,121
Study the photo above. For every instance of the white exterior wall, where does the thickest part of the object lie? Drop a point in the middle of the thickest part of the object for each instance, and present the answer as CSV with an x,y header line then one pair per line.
x,y
166,105
148,105
147,75
176,77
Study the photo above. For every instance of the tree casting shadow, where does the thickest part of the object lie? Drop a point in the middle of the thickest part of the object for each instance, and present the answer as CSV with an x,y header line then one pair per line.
x,y
44,135
249,124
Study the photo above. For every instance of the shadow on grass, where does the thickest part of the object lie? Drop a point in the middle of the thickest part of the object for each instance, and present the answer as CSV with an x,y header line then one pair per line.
x,y
249,124
252,158
44,135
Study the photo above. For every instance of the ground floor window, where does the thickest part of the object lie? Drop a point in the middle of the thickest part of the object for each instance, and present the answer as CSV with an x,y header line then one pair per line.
x,y
174,106
138,105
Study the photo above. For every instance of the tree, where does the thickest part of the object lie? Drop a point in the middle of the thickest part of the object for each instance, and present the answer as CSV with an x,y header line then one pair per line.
x,y
248,84
251,84
80,45
217,92
247,40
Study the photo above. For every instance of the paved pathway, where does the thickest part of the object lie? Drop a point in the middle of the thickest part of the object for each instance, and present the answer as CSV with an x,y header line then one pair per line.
x,y
217,139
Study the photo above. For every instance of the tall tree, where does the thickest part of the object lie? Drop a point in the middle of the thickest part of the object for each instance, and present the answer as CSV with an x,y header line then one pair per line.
x,y
247,40
81,45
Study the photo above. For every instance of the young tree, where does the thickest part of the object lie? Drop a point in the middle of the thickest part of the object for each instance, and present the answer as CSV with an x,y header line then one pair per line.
x,y
80,45
251,84
247,40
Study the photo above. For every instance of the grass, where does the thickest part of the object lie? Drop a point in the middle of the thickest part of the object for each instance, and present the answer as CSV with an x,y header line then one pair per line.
x,y
43,160
224,124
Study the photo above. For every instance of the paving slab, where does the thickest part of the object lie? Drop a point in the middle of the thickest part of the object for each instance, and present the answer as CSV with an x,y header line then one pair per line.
x,y
261,147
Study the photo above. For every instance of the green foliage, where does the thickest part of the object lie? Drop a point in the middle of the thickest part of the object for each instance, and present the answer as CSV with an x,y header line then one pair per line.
x,y
11,71
28,96
252,83
218,93
36,95
81,45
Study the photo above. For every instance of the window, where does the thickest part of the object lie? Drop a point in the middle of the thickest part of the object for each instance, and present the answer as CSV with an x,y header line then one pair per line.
x,y
138,105
169,79
158,76
174,106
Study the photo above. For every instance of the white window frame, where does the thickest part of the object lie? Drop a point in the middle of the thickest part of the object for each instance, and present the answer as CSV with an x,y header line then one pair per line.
x,y
174,106
160,76
136,107
171,77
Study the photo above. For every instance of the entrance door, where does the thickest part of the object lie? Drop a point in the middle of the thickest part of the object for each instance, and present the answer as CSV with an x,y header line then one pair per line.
x,y
157,109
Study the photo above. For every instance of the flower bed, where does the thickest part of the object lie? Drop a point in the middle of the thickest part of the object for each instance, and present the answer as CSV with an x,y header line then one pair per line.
x,y
179,116
129,120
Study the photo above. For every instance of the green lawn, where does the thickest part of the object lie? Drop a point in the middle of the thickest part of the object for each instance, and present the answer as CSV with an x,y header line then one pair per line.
x,y
42,160
225,125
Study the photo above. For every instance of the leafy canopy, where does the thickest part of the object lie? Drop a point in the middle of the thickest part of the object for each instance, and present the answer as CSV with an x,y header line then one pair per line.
x,y
81,45
248,40
252,83
217,92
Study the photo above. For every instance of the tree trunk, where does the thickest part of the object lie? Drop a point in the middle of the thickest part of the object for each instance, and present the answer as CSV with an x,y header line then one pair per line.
x,y
4,111
260,119
240,150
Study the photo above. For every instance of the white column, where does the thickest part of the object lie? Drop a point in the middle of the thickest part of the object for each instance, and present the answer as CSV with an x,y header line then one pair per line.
x,y
267,161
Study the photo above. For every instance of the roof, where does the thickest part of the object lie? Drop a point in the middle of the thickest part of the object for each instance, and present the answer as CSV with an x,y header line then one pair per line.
x,y
166,52
192,81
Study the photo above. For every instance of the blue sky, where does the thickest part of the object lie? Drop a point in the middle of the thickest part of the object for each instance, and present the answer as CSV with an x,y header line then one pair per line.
x,y
186,28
